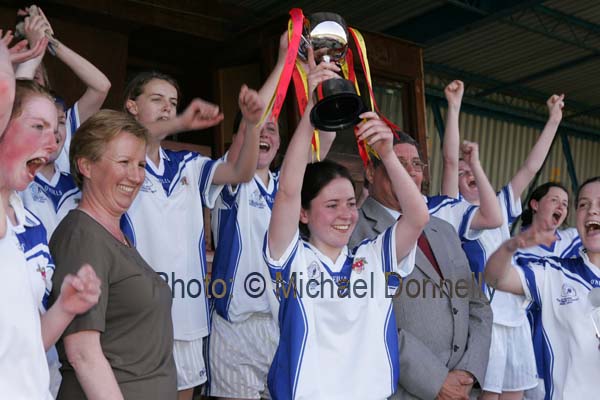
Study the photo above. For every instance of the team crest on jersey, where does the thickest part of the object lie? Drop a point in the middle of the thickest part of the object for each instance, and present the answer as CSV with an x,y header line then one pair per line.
x,y
567,295
256,200
313,270
359,264
38,194
148,186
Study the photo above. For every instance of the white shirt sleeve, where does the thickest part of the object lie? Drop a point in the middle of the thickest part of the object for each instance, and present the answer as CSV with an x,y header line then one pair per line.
x,y
457,212
209,191
532,274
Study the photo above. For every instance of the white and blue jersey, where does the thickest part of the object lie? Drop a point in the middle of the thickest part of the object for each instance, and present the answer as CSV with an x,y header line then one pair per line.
x,y
239,221
166,225
567,245
457,212
509,309
23,366
72,123
51,200
33,242
31,234
560,287
338,336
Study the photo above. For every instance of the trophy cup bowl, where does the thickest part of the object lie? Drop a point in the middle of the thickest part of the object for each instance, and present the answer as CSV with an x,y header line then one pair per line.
x,y
338,106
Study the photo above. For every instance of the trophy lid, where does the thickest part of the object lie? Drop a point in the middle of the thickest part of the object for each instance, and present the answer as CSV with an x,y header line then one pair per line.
x,y
328,35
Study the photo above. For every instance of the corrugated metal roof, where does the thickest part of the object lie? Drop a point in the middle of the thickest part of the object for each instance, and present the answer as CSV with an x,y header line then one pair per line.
x,y
588,10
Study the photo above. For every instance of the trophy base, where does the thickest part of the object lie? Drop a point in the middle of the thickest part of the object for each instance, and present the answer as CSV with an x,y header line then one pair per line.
x,y
338,108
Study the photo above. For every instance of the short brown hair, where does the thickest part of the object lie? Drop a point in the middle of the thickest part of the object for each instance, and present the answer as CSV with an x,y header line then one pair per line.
x,y
24,89
90,140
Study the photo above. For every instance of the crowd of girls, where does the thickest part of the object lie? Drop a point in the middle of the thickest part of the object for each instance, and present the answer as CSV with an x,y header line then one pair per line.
x,y
99,222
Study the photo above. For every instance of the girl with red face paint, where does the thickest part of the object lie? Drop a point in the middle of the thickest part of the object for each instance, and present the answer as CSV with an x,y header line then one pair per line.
x,y
26,141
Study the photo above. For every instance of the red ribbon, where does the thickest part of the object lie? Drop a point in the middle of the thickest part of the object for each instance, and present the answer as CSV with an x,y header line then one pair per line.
x,y
297,20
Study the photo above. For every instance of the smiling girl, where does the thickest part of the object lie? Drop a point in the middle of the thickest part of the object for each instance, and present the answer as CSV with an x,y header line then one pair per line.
x,y
332,344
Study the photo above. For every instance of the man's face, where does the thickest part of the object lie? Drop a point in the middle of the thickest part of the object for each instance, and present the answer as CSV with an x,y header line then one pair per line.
x,y
380,187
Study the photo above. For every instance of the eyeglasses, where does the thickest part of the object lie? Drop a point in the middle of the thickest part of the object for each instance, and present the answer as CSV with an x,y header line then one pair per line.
x,y
415,164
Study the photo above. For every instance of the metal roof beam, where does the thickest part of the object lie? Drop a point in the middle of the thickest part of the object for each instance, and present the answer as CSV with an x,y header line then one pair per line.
x,y
548,23
513,114
589,110
487,16
541,74
589,26
538,99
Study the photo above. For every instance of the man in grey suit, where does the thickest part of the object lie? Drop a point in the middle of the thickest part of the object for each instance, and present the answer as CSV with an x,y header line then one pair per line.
x,y
444,320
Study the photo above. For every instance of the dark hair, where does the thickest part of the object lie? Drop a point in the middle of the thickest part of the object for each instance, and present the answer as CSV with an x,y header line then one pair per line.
x,y
587,182
316,177
400,139
537,195
135,87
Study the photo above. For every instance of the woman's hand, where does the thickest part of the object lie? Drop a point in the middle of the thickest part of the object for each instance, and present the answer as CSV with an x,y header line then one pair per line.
x,y
376,133
319,73
79,293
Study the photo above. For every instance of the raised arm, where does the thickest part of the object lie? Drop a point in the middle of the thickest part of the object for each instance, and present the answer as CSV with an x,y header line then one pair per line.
x,y
451,147
540,150
243,167
326,138
286,210
97,84
499,271
7,97
265,93
198,115
34,29
408,228
270,85
489,214
7,86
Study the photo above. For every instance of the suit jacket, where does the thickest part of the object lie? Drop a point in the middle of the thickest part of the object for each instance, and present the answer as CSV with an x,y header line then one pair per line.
x,y
436,333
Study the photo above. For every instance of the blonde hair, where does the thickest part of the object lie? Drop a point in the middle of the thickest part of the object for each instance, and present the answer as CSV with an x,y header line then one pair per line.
x,y
24,90
92,137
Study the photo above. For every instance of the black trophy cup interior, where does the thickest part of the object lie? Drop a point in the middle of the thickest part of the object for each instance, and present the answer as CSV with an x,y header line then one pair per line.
x,y
339,108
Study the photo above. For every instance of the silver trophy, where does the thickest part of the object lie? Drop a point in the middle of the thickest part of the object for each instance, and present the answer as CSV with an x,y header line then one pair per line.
x,y
338,106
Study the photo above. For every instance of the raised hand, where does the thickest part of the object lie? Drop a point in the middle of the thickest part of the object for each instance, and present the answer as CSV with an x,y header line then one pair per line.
x,y
251,105
200,114
376,133
454,93
79,293
6,37
555,105
19,52
470,152
534,236
319,73
35,28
